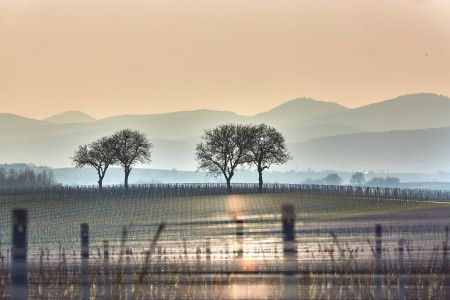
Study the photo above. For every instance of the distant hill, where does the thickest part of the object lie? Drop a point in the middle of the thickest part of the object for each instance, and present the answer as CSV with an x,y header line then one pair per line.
x,y
200,113
297,110
414,111
72,116
296,133
14,121
320,135
424,150
56,151
176,125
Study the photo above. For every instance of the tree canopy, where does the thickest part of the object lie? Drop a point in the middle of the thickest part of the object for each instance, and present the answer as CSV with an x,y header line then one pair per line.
x,y
358,178
333,179
98,154
131,147
125,148
266,147
222,149
228,146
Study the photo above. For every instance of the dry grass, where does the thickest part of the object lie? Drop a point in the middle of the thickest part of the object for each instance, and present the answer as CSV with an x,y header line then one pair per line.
x,y
342,276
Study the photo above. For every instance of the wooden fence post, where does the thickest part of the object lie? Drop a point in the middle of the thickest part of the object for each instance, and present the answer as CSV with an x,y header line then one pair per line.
x,y
401,267
240,237
159,274
106,292
378,249
85,291
208,268
291,283
72,265
128,257
199,273
226,264
19,282
237,266
64,270
445,267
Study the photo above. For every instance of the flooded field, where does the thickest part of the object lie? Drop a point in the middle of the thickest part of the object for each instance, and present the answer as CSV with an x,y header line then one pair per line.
x,y
231,247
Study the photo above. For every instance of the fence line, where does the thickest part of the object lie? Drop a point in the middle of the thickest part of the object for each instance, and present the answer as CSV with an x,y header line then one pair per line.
x,y
290,270
198,189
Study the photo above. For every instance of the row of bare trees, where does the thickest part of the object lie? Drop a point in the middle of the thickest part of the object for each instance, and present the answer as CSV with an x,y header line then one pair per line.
x,y
228,146
124,148
222,150
26,178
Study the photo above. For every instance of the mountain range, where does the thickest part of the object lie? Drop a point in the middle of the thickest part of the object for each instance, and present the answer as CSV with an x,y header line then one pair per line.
x,y
72,116
410,133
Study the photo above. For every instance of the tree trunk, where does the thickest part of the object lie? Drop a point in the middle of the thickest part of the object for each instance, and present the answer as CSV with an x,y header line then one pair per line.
x,y
127,173
100,178
228,184
260,180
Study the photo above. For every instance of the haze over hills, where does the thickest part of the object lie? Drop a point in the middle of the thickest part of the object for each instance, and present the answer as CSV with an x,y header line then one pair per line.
x,y
414,111
301,134
423,150
14,121
320,135
297,110
72,116
177,125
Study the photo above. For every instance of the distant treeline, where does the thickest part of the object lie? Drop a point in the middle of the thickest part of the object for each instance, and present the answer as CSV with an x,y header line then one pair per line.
x,y
26,178
207,189
358,179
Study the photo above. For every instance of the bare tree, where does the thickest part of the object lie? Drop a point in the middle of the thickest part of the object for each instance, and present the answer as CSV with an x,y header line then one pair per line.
x,y
223,149
358,178
333,179
267,147
27,177
98,154
131,147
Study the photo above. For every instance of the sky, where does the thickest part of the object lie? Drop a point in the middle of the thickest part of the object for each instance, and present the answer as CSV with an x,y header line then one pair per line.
x,y
110,57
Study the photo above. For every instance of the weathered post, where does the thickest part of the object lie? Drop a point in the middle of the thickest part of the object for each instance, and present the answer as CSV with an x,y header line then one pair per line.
x,y
72,265
199,290
159,274
226,267
19,283
401,267
378,261
239,242
289,253
128,255
208,268
119,291
59,276
85,292
240,237
185,266
97,284
106,293
64,271
445,268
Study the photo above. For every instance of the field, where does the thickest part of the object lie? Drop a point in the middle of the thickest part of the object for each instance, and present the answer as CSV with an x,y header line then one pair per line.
x,y
199,254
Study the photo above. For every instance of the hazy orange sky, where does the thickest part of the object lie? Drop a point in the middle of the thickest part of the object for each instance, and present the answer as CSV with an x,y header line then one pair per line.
x,y
107,57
